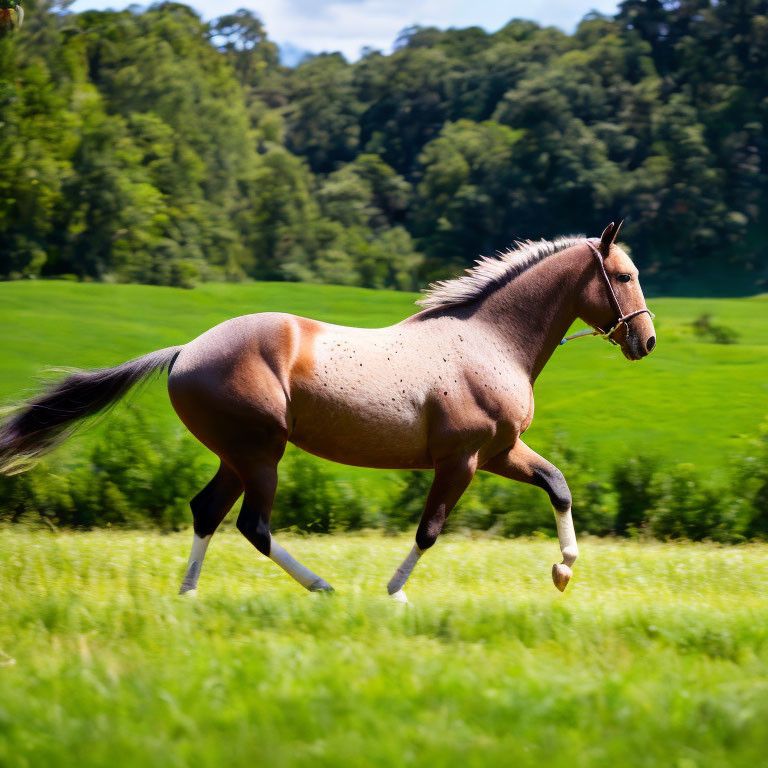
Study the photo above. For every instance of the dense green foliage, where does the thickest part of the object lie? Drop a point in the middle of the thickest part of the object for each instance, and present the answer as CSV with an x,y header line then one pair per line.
x,y
136,478
149,146
649,448
655,655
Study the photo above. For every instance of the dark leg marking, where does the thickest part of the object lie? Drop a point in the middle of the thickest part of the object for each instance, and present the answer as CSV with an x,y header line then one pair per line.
x,y
253,521
523,464
451,480
254,525
211,505
551,479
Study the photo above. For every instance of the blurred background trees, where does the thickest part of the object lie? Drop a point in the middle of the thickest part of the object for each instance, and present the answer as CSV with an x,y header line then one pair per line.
x,y
150,146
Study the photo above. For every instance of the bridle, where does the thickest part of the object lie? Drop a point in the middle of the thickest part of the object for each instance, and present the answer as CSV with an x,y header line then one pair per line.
x,y
622,319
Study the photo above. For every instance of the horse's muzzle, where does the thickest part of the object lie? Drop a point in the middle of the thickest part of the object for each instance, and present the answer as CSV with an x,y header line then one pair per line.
x,y
634,348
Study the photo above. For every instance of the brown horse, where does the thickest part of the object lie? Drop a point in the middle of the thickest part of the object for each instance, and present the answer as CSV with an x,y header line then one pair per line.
x,y
448,389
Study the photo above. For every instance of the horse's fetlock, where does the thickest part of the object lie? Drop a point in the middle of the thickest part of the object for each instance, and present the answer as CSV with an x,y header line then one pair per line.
x,y
263,538
570,553
426,536
204,526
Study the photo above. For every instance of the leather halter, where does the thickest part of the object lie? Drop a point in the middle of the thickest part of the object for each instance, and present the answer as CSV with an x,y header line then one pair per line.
x,y
622,319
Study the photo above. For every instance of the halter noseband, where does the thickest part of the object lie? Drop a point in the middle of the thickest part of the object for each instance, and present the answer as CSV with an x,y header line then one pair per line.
x,y
621,319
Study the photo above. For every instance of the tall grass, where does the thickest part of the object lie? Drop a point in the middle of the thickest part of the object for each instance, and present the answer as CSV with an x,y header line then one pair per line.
x,y
656,655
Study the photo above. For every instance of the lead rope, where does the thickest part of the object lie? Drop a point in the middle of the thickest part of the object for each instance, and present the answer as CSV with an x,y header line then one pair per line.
x,y
579,334
622,318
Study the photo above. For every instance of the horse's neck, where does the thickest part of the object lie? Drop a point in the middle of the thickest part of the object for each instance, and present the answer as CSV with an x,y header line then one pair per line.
x,y
534,310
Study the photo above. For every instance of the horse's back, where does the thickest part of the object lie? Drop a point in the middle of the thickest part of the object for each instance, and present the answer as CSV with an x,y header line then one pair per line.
x,y
386,397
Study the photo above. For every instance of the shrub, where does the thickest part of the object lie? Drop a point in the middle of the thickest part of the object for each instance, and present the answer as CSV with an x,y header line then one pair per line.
x,y
135,474
632,481
685,508
751,486
707,330
310,499
517,509
132,475
406,507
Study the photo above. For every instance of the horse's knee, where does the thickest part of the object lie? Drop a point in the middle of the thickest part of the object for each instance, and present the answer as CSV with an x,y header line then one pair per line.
x,y
255,528
551,479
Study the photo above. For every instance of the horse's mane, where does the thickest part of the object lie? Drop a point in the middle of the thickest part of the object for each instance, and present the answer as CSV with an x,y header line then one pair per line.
x,y
491,272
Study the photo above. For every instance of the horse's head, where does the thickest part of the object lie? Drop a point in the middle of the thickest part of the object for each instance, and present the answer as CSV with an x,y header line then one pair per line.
x,y
613,300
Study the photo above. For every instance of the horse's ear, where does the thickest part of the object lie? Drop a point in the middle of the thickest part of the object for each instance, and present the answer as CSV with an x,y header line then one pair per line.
x,y
608,238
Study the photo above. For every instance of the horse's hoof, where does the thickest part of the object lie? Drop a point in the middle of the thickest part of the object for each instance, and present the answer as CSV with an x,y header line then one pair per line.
x,y
188,593
399,596
561,575
321,585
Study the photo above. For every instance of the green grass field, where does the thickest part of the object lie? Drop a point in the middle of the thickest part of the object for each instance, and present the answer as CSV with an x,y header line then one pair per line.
x,y
688,402
656,655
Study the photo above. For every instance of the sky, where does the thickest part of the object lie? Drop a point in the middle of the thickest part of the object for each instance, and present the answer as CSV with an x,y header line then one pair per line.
x,y
349,25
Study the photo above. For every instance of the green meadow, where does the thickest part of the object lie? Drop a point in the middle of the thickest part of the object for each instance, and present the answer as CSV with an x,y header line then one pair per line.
x,y
690,401
656,655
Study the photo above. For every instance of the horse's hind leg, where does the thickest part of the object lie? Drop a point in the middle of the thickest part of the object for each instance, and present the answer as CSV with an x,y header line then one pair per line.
x,y
523,464
260,481
209,508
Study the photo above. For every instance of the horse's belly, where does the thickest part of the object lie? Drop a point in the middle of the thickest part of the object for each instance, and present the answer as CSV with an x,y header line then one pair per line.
x,y
360,430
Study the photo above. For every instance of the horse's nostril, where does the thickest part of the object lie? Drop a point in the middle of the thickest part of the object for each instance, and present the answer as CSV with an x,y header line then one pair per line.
x,y
651,343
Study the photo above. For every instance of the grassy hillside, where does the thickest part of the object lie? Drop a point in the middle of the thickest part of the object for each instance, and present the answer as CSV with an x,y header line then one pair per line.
x,y
688,402
655,656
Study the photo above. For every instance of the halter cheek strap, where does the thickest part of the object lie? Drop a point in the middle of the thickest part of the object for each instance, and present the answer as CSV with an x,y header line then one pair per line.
x,y
622,319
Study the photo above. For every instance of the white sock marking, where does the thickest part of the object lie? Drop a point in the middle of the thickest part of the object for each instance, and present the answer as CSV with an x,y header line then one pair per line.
x,y
567,536
196,557
294,568
397,582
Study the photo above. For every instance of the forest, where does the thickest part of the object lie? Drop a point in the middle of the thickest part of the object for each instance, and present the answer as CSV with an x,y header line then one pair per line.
x,y
151,146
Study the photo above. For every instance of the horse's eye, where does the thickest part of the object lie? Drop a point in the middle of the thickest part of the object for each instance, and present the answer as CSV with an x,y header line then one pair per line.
x,y
624,277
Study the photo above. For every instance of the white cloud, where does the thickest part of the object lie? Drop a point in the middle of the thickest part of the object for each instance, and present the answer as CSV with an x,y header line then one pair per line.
x,y
349,25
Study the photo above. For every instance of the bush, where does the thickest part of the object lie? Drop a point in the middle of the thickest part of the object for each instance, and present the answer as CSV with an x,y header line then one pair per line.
x,y
751,486
310,499
405,508
685,508
135,474
511,509
706,330
132,475
632,481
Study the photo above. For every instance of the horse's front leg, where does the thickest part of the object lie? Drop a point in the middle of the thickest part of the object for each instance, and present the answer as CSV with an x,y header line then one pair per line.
x,y
523,464
452,476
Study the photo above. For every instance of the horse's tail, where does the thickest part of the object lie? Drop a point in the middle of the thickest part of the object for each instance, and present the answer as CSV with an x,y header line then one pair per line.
x,y
39,424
